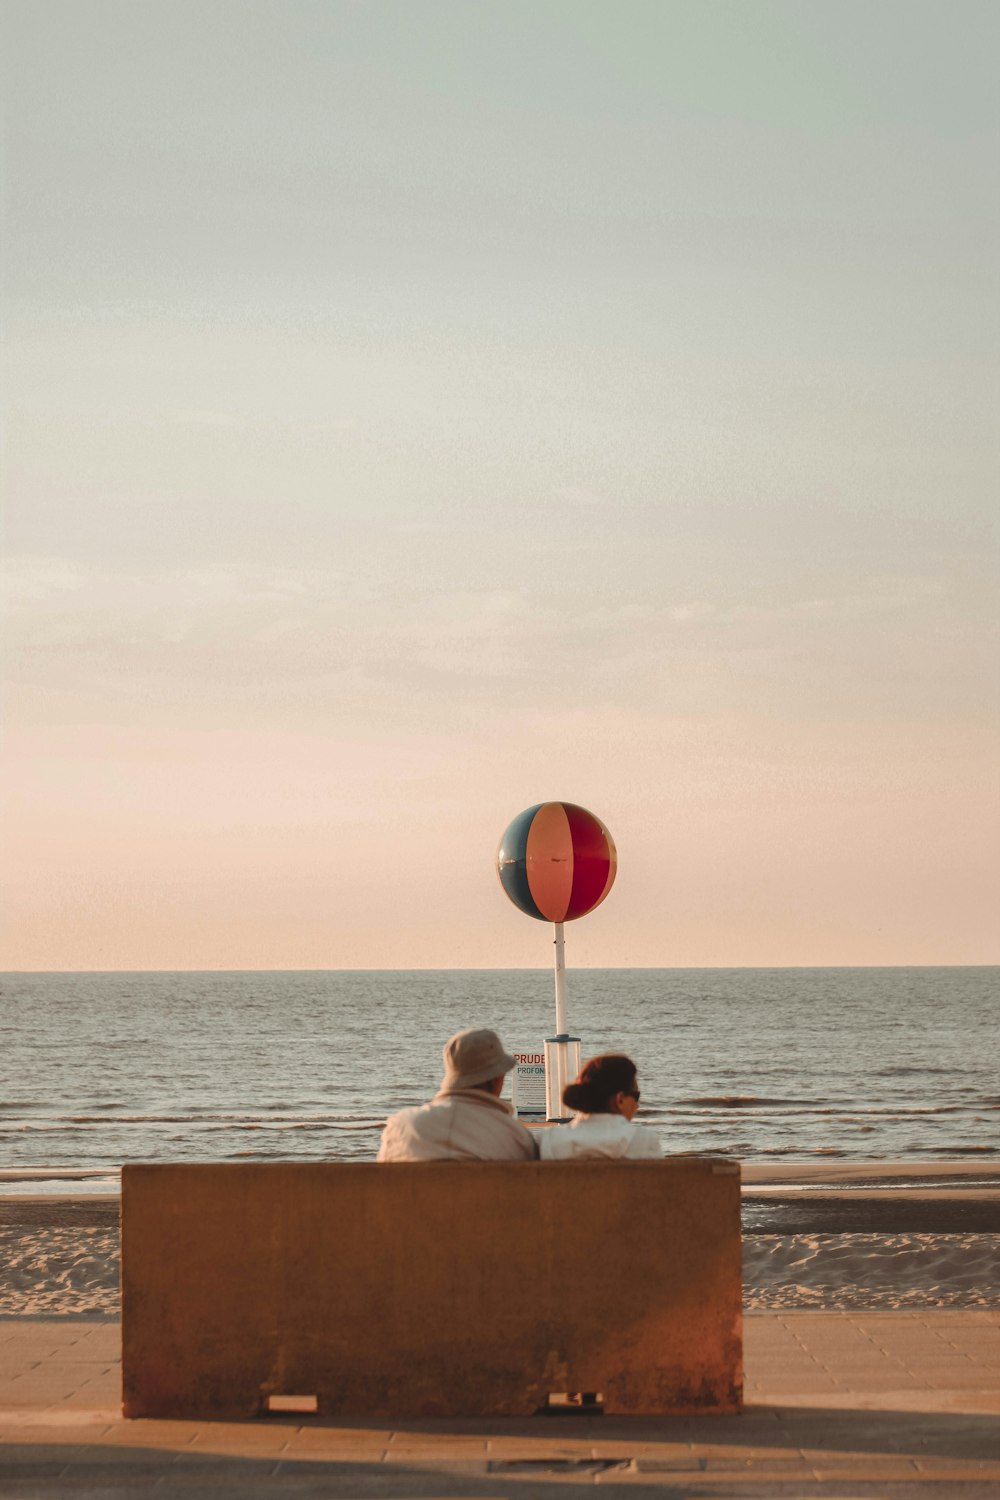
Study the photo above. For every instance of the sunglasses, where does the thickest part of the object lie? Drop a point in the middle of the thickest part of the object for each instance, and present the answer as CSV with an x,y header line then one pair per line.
x,y
633,1094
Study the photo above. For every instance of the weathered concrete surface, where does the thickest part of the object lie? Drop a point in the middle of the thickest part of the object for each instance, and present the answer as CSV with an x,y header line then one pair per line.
x,y
432,1289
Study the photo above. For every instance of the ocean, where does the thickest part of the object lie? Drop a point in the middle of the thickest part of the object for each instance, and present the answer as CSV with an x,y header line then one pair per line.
x,y
764,1064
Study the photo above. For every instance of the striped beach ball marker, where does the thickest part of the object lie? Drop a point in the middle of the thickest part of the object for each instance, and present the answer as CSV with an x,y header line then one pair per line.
x,y
557,861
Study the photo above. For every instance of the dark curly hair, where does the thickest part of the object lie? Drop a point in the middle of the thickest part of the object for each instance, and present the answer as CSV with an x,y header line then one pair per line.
x,y
600,1080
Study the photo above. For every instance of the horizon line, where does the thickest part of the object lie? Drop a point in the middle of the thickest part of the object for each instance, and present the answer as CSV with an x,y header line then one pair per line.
x,y
518,969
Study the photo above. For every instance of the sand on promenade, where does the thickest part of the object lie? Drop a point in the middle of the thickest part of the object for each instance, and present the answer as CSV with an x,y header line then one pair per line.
x,y
830,1235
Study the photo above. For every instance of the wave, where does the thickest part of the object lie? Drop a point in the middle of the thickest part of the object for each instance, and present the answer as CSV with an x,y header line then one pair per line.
x,y
71,1124
898,1111
200,1119
904,1070
962,1150
797,1108
745,1101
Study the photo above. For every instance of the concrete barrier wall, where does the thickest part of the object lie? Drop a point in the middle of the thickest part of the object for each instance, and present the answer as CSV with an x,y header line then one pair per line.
x,y
431,1288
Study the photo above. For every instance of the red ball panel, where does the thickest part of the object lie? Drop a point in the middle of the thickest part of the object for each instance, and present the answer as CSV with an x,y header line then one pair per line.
x,y
594,861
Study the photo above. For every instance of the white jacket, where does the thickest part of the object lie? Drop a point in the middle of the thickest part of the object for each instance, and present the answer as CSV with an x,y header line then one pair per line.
x,y
457,1125
598,1135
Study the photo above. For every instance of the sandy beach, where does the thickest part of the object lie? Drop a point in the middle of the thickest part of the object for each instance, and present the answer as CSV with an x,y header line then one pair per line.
x,y
837,1236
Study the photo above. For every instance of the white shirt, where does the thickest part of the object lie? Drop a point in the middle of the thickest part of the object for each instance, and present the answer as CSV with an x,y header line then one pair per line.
x,y
598,1135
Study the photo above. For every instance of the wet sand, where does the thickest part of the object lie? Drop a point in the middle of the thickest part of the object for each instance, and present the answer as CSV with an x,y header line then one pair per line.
x,y
872,1198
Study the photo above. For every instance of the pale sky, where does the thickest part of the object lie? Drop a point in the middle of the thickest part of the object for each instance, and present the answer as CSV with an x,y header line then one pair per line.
x,y
418,410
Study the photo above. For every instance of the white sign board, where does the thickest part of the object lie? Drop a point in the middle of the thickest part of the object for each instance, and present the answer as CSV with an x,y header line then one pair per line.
x,y
528,1083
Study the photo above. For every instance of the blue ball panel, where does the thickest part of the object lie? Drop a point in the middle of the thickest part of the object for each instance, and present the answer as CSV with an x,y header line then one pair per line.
x,y
511,863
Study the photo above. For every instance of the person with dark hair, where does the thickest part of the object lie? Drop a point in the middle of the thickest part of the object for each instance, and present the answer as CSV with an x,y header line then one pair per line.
x,y
605,1099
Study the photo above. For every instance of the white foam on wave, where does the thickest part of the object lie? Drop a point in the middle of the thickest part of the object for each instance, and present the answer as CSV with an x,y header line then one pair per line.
x,y
58,1181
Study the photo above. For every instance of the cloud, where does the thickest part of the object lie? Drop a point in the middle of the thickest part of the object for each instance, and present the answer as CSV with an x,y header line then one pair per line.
x,y
230,621
29,582
35,586
578,495
318,635
691,614
467,632
218,420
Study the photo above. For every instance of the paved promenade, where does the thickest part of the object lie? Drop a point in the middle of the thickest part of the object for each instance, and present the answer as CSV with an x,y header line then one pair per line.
x,y
839,1405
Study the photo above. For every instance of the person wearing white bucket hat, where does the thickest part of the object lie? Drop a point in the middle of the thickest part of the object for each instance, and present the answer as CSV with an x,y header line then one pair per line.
x,y
466,1120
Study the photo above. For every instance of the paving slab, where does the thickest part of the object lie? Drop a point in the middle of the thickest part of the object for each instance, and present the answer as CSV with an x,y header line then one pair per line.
x,y
840,1405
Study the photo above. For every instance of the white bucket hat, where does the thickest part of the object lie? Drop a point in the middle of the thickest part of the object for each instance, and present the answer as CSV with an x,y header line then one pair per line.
x,y
472,1057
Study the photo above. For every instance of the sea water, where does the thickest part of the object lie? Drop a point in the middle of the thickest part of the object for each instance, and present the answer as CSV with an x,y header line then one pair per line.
x,y
766,1064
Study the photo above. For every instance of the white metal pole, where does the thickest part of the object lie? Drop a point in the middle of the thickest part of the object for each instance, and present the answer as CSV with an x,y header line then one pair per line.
x,y
560,981
562,1052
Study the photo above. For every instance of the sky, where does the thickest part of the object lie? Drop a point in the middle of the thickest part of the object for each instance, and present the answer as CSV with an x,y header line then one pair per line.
x,y
418,410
